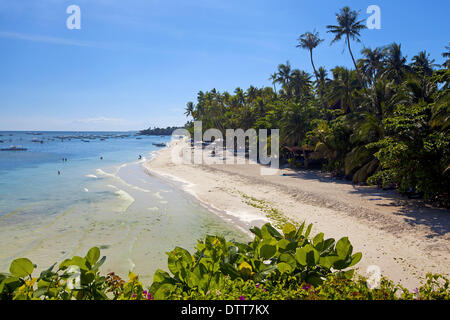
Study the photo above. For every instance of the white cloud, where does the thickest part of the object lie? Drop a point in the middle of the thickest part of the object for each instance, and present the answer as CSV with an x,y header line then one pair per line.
x,y
46,39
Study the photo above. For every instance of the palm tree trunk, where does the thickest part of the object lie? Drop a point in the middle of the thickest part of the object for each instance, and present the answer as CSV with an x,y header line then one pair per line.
x,y
317,78
356,66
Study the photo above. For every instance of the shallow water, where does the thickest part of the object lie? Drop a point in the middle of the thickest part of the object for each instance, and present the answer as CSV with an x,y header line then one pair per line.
x,y
110,203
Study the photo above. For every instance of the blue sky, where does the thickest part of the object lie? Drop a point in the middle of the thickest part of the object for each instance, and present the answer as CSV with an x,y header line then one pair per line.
x,y
136,63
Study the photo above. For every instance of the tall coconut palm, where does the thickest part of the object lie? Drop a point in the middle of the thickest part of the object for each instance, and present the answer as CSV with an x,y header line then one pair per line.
x,y
189,109
322,81
447,55
372,63
423,64
395,63
284,73
348,26
342,88
300,84
273,77
309,41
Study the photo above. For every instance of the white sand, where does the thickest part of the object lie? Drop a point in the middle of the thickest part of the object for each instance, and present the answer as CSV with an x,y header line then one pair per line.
x,y
403,237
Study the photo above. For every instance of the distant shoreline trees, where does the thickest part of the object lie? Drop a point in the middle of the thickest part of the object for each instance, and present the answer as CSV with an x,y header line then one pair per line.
x,y
158,131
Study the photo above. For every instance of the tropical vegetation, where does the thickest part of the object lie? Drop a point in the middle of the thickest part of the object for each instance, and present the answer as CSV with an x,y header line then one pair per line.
x,y
385,122
291,265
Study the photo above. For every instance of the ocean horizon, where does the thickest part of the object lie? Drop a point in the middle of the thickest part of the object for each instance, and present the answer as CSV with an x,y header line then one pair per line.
x,y
52,208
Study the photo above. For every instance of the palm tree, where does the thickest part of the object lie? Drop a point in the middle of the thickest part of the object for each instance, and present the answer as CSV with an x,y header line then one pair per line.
x,y
372,63
423,64
189,109
322,81
395,63
300,84
273,78
348,26
284,73
342,88
447,55
309,41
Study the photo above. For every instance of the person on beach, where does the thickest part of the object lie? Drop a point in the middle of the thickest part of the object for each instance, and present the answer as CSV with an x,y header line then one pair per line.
x,y
59,173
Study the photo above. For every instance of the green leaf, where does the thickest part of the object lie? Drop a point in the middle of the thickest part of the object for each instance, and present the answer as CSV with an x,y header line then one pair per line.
x,y
289,259
78,261
40,292
300,255
93,255
355,259
328,246
161,276
269,232
179,261
300,231
314,279
21,267
284,267
256,231
344,248
289,231
308,230
307,255
99,263
318,241
11,284
164,291
268,248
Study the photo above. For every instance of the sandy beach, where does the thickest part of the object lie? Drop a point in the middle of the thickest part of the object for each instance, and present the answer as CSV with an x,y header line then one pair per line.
x,y
404,238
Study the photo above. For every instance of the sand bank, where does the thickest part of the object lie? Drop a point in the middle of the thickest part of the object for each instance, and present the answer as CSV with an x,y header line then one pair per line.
x,y
405,238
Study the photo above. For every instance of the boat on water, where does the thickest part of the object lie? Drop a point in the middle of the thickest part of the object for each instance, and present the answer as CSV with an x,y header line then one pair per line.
x,y
159,144
14,148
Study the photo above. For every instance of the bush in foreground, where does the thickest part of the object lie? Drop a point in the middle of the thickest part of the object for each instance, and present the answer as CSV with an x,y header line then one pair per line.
x,y
274,266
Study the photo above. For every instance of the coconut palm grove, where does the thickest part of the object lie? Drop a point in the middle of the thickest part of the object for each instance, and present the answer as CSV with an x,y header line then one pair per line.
x,y
385,122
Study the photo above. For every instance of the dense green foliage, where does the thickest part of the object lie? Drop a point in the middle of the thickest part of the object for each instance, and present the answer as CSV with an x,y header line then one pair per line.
x,y
274,266
386,122
158,131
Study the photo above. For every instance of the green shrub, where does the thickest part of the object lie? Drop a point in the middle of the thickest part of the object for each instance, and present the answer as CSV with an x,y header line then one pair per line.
x,y
274,266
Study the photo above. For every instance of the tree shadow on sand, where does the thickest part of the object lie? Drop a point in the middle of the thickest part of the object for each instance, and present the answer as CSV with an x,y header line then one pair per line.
x,y
414,211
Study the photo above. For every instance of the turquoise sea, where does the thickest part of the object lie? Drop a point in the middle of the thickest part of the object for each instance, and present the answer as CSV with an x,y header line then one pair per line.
x,y
101,197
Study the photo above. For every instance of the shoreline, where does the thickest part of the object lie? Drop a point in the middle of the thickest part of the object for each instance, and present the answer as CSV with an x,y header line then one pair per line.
x,y
404,238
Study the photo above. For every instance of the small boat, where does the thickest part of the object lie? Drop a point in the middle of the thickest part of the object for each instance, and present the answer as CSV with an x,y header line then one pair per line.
x,y
159,144
14,148
85,140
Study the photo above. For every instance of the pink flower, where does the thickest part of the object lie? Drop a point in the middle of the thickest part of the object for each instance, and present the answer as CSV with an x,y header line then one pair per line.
x,y
241,298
